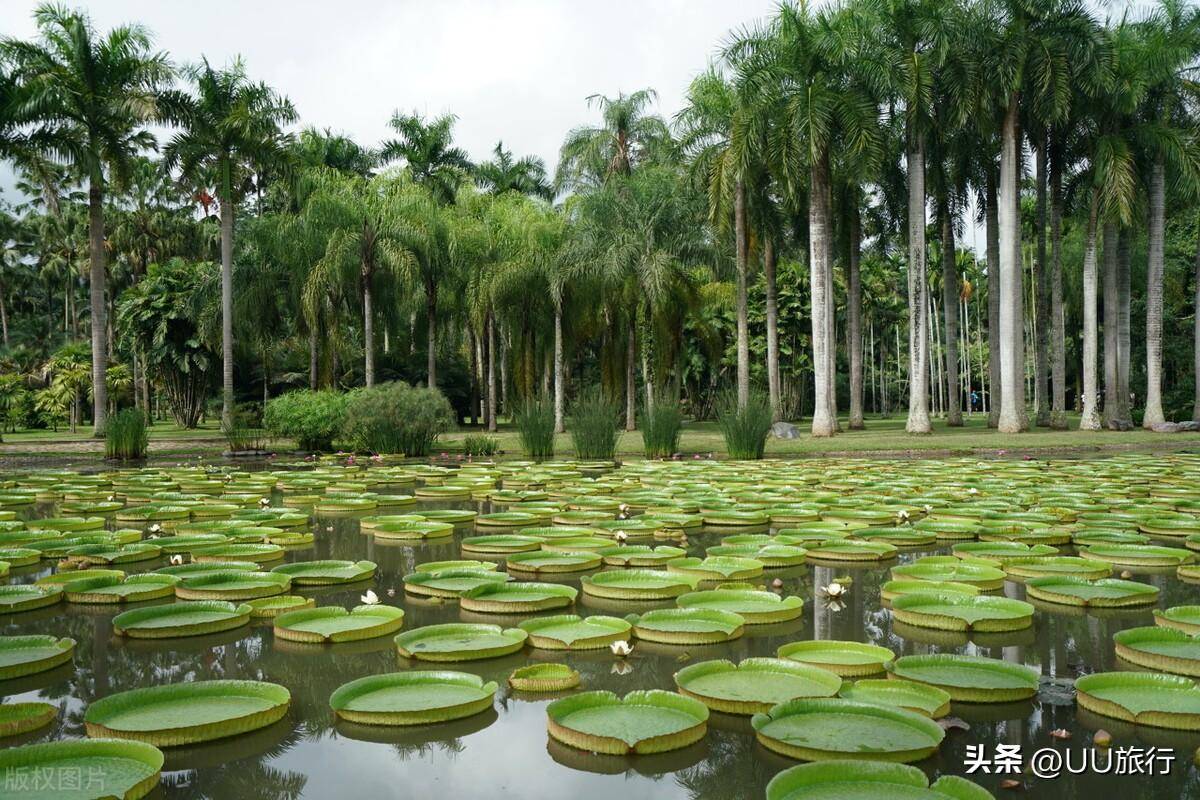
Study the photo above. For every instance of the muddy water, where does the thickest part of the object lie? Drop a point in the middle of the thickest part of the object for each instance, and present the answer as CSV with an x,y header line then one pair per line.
x,y
506,752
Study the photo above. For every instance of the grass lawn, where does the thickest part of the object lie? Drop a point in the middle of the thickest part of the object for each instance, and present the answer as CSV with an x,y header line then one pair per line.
x,y
882,437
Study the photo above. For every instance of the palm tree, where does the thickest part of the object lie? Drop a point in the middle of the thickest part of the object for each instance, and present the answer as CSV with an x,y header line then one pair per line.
x,y
88,96
504,173
802,61
230,128
627,136
427,149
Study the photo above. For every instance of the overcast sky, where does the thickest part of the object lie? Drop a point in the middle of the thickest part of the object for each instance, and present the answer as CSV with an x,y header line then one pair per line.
x,y
517,70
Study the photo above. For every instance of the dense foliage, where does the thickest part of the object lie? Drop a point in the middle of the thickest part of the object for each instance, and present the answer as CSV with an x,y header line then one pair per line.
x,y
396,418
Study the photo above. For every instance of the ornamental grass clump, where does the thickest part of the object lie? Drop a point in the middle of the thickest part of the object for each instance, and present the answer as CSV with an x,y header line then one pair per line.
x,y
535,427
593,427
661,426
745,429
480,445
396,418
312,418
126,437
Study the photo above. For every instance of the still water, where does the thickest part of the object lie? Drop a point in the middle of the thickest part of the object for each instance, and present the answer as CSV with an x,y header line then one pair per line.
x,y
507,753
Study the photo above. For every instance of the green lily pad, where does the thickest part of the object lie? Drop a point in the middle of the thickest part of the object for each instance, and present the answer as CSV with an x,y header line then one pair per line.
x,y
258,553
186,543
754,606
412,698
67,576
1106,593
28,655
459,642
572,632
640,555
128,770
717,568
336,624
450,582
233,585
1142,698
948,568
517,598
1086,568
1184,618
538,562
851,550
500,544
15,598
273,606
755,685
651,721
1002,552
455,516
819,729
577,544
462,563
181,619
19,718
131,589
771,556
919,698
637,584
197,569
104,554
425,529
970,679
688,626
543,678
896,588
1160,648
187,713
66,523
900,537
1138,555
847,659
326,573
958,612
506,519
868,780
19,556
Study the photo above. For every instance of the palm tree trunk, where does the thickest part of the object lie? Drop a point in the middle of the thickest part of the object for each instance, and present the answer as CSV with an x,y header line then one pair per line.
x,y
226,202
854,313
97,279
772,329
1041,286
992,234
1123,327
1154,296
314,360
491,373
918,324
1112,383
3,317
819,230
1091,334
1058,333
950,314
368,330
431,329
742,247
559,371
145,388
631,378
1196,333
1012,339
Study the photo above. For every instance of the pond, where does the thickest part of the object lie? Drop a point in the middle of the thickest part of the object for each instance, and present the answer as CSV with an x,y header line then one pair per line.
x,y
506,752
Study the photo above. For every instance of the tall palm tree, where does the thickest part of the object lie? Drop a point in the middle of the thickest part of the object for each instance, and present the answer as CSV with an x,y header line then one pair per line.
x,y
627,136
504,173
427,148
88,96
229,129
803,61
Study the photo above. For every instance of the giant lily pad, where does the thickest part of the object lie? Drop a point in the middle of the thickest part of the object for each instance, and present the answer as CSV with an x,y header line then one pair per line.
x,y
1138,555
26,597
187,713
131,589
919,698
460,642
538,562
412,698
1160,648
271,607
1087,568
455,516
196,569
772,556
27,655
126,770
847,659
450,582
651,721
717,568
948,568
326,573
572,632
576,544
424,529
1002,552
754,685
19,718
1143,698
500,544
640,555
19,556
258,553
1184,618
543,678
688,626
1107,593
104,554
819,729
851,550
517,598
233,585
895,588
181,619
637,584
336,624
957,612
866,780
970,679
754,606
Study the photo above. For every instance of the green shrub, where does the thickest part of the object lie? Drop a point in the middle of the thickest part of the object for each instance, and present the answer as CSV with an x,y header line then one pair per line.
x,y
745,430
661,427
311,418
244,432
593,427
535,426
125,437
481,445
396,418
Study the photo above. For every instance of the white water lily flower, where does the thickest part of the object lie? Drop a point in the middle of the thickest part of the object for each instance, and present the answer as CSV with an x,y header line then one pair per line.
x,y
176,560
155,528
621,648
370,598
621,536
263,501
902,516
928,508
972,490
834,590
112,497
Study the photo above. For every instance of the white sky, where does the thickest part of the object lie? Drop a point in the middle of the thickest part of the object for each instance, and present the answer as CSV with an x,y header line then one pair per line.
x,y
517,70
